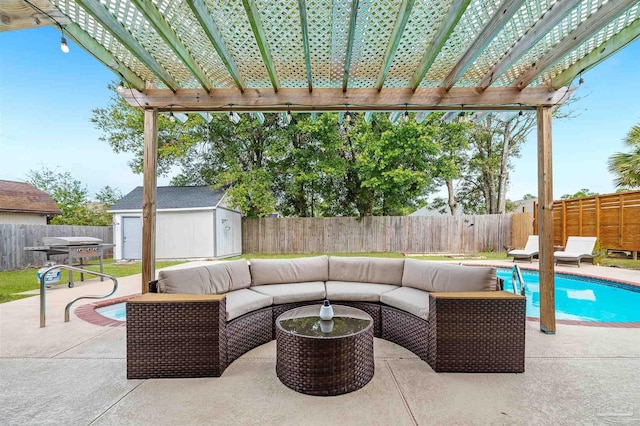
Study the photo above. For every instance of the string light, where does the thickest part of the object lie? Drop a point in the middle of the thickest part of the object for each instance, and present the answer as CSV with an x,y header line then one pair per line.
x,y
63,43
289,116
172,118
520,114
581,81
231,113
406,113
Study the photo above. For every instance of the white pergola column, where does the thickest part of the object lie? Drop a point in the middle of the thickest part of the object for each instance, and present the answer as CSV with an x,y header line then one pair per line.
x,y
545,222
149,191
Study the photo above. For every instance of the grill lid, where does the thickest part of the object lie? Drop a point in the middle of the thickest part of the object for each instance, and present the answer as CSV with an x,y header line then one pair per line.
x,y
70,241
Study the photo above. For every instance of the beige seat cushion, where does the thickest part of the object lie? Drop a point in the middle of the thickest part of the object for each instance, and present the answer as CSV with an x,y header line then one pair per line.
x,y
211,279
294,292
284,271
366,270
240,302
408,299
356,292
437,276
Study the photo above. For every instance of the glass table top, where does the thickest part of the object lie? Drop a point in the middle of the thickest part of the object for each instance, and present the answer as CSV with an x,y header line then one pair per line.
x,y
305,321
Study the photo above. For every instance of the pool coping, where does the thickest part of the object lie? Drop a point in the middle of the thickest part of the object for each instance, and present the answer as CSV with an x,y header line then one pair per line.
x,y
88,312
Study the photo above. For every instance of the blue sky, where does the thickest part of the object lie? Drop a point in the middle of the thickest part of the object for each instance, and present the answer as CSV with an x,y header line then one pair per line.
x,y
46,98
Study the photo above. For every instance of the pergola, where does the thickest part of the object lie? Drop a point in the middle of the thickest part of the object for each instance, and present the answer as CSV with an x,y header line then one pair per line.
x,y
344,55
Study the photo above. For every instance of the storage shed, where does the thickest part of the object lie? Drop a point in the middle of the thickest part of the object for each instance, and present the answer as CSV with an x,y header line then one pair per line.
x,y
191,222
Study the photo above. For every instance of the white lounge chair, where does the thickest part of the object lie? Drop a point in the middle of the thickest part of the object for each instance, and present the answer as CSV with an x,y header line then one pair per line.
x,y
530,250
577,248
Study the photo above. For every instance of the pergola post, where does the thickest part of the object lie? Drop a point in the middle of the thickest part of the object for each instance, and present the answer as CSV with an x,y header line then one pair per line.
x,y
149,191
545,222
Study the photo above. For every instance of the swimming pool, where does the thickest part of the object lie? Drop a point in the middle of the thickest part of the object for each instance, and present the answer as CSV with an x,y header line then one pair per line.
x,y
117,311
581,298
577,298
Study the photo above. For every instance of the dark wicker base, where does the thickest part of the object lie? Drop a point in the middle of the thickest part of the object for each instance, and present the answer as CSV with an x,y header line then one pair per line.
x,y
248,332
477,335
325,366
406,330
175,340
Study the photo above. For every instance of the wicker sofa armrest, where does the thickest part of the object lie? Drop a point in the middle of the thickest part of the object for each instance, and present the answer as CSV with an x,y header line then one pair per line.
x,y
176,335
477,332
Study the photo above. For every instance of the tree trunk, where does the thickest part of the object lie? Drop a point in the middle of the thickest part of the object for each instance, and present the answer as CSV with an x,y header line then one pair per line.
x,y
453,204
504,171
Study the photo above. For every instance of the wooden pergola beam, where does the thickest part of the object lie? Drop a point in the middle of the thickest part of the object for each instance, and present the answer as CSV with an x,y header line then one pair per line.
x,y
594,23
545,222
258,32
627,35
350,40
546,23
456,10
370,99
302,5
17,15
396,35
111,24
149,196
157,21
498,20
209,27
89,44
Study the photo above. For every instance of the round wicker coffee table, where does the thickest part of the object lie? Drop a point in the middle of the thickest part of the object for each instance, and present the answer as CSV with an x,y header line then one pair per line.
x,y
318,357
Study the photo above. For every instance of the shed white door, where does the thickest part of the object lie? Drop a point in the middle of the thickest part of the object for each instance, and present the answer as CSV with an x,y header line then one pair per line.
x,y
132,237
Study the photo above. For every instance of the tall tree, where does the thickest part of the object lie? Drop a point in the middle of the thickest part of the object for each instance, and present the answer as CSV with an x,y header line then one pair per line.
x,y
626,165
71,196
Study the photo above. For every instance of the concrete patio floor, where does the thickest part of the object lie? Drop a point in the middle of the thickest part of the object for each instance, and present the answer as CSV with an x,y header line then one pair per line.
x,y
75,374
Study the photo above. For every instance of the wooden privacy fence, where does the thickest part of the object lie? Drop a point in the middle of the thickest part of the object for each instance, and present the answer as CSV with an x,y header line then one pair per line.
x,y
408,234
15,237
613,218
521,228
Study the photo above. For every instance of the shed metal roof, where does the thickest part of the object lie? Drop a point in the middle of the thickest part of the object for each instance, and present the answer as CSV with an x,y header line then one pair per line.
x,y
173,197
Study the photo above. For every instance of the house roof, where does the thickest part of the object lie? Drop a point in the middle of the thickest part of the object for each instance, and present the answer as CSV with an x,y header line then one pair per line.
x,y
22,197
173,197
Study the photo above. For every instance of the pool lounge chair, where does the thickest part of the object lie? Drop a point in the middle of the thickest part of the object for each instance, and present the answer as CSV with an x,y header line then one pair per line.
x,y
530,250
577,248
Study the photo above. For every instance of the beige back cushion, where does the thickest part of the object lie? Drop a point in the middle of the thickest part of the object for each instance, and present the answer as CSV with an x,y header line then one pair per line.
x,y
285,271
434,276
212,279
366,270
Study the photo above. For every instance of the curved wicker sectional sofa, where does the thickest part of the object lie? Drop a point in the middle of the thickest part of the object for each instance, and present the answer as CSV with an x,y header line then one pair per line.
x,y
451,316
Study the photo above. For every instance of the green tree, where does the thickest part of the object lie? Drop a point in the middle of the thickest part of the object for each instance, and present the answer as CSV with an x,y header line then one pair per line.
x,y
626,165
584,192
528,196
71,196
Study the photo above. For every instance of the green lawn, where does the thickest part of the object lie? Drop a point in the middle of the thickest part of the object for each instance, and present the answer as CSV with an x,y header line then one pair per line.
x,y
12,282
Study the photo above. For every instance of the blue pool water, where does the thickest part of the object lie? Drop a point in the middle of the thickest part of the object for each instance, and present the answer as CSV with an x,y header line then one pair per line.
x,y
582,299
117,311
577,298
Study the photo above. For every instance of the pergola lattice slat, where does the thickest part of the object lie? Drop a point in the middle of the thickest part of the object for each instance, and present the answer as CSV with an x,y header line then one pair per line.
x,y
109,22
302,4
203,16
434,47
499,19
155,18
103,55
546,23
598,20
258,31
401,22
350,40
602,52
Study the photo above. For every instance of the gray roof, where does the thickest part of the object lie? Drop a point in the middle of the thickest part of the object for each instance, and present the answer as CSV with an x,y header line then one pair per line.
x,y
173,197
